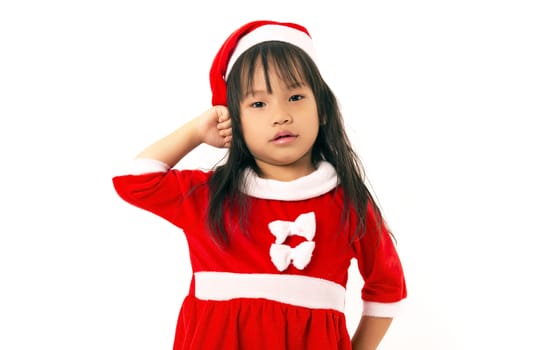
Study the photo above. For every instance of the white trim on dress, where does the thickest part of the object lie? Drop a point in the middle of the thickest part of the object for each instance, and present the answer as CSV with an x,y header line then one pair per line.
x,y
321,181
304,291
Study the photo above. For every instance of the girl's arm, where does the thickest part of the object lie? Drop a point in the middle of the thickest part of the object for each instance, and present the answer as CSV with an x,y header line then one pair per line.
x,y
370,332
211,127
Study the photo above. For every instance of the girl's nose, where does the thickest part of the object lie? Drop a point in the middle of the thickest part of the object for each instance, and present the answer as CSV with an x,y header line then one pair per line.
x,y
281,117
281,121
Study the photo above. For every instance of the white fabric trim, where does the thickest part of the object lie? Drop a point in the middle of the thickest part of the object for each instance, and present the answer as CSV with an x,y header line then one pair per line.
x,y
319,182
271,32
310,292
141,166
372,308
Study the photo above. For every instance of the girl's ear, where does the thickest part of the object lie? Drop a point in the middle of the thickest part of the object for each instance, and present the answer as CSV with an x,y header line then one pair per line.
x,y
323,120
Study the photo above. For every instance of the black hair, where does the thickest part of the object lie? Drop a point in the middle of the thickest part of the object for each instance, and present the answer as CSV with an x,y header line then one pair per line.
x,y
332,144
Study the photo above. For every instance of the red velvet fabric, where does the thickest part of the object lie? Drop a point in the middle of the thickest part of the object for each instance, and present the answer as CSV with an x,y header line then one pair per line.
x,y
181,197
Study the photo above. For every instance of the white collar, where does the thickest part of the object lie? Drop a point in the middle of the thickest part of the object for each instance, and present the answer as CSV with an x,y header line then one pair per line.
x,y
322,180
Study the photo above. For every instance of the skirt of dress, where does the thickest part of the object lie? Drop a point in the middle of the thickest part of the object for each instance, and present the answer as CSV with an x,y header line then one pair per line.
x,y
249,324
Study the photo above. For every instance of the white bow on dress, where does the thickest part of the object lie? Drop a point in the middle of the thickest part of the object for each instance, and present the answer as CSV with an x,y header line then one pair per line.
x,y
303,226
282,255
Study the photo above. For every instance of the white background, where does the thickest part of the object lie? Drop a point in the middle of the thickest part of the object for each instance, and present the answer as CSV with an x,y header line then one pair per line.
x,y
442,99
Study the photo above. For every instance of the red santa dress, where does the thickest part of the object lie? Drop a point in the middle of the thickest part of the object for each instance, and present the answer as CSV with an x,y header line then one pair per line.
x,y
282,285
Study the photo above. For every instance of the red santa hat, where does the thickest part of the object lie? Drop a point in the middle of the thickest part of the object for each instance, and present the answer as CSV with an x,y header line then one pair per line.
x,y
246,37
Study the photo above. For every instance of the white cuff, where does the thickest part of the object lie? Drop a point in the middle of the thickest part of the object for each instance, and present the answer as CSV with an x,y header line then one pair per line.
x,y
141,166
376,309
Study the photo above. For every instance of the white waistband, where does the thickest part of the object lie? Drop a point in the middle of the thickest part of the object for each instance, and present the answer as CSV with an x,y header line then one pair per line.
x,y
310,292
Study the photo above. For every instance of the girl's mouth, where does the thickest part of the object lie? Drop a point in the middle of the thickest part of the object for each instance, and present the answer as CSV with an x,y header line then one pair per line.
x,y
283,137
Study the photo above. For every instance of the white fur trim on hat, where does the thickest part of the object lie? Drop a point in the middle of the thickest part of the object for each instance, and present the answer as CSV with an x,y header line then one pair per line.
x,y
272,32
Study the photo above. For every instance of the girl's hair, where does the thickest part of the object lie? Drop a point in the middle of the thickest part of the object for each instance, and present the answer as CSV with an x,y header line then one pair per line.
x,y
294,67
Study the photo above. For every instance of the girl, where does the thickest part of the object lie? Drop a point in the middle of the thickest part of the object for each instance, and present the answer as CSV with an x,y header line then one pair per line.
x,y
272,231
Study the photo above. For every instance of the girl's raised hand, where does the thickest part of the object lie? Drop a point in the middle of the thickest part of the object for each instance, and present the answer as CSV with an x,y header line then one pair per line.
x,y
215,127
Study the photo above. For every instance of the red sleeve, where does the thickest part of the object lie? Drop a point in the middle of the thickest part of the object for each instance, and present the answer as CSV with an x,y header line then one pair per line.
x,y
380,267
175,195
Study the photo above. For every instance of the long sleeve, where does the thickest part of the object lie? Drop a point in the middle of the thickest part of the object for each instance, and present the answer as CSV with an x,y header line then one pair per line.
x,y
171,194
380,266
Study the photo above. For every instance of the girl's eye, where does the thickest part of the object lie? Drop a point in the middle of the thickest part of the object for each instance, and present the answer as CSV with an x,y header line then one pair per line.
x,y
295,98
257,104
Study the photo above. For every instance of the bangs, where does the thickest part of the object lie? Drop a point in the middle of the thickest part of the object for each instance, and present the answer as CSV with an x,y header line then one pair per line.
x,y
284,59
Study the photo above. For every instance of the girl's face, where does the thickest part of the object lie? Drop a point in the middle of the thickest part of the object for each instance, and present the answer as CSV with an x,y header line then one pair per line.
x,y
279,127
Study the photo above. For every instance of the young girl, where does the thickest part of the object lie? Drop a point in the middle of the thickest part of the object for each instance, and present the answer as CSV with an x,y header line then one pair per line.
x,y
272,231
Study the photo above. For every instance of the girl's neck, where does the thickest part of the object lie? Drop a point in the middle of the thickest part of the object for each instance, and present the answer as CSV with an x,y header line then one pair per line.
x,y
287,172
